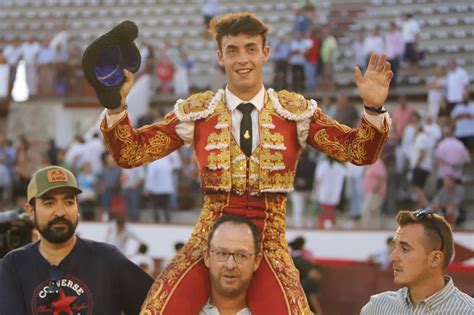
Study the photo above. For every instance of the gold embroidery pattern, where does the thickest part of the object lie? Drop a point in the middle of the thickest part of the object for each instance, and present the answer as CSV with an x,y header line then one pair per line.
x,y
223,121
272,160
226,165
135,154
266,120
216,180
327,121
218,160
353,151
217,176
274,139
238,168
196,103
216,139
171,276
292,102
275,247
274,175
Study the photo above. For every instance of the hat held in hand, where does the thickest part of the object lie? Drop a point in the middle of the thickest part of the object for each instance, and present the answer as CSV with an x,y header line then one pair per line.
x,y
105,59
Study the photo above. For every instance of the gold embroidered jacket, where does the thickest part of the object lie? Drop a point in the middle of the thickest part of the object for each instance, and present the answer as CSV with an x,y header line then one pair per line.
x,y
223,166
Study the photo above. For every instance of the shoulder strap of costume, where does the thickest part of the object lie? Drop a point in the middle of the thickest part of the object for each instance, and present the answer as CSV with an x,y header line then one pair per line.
x,y
197,106
291,105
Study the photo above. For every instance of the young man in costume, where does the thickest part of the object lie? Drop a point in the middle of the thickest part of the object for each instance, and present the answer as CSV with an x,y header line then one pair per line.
x,y
247,140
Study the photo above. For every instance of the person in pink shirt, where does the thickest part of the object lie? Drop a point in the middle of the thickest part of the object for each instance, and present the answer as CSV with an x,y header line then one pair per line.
x,y
375,191
401,116
451,155
394,47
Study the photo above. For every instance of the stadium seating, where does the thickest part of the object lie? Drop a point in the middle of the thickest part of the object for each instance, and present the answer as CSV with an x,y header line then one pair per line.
x,y
447,26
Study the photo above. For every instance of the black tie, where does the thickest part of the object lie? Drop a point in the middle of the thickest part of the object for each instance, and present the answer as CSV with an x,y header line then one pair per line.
x,y
246,128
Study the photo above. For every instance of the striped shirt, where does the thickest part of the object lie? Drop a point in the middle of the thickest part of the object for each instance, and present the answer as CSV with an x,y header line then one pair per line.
x,y
447,301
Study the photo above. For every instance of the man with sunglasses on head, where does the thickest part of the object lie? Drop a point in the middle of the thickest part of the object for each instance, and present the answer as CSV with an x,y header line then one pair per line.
x,y
423,249
63,273
232,256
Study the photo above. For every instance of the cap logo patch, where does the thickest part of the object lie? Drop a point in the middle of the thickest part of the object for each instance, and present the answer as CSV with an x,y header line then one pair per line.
x,y
57,176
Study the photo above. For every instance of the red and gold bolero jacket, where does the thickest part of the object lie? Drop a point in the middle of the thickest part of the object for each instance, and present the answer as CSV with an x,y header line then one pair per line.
x,y
223,166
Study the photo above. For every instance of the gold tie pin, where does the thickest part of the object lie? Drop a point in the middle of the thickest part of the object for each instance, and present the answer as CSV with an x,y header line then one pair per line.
x,y
247,134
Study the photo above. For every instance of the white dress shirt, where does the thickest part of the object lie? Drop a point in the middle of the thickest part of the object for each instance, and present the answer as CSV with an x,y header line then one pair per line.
x,y
210,309
185,130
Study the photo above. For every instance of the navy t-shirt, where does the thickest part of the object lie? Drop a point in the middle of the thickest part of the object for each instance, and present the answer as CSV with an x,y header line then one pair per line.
x,y
98,279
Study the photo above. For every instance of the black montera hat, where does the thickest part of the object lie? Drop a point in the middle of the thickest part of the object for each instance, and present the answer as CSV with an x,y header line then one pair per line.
x,y
105,58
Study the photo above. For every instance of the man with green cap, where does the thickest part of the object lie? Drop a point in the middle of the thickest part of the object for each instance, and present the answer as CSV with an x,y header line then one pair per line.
x,y
63,272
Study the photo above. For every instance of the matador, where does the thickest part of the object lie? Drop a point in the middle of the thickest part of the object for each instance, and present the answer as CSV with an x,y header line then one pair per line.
x,y
247,160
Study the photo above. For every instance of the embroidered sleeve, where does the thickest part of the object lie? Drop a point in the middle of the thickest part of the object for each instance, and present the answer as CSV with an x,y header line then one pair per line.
x,y
360,146
132,147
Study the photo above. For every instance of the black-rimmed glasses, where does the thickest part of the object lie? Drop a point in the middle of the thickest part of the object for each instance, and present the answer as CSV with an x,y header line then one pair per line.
x,y
52,291
239,257
422,214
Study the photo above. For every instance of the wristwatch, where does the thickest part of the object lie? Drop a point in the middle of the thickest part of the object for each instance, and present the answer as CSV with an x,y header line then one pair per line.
x,y
379,110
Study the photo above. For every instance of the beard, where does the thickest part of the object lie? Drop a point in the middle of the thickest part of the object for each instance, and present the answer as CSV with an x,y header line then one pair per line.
x,y
57,235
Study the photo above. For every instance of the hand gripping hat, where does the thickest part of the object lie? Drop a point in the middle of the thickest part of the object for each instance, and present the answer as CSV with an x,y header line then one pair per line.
x,y
49,178
105,58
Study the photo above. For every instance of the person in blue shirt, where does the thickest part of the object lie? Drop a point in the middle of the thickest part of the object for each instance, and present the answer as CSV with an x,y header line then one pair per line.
x,y
63,273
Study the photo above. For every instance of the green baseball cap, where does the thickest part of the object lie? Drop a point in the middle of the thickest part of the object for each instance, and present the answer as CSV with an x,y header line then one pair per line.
x,y
49,178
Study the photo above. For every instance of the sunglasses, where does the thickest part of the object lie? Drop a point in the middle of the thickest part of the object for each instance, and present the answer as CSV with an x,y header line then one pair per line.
x,y
422,214
52,291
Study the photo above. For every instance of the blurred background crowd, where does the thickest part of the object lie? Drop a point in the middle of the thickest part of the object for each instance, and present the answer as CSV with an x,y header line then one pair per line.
x,y
315,45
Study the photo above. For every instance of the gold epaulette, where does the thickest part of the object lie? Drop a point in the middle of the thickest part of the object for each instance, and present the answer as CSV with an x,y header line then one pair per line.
x,y
291,105
197,106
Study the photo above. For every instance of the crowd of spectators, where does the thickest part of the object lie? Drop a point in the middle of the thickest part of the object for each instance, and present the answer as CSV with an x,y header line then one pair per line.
x,y
422,164
108,190
308,53
414,166
53,66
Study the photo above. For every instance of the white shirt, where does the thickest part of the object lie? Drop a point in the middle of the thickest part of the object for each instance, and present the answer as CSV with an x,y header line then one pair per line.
x,y
92,153
298,50
330,179
374,44
359,55
30,52
133,177
210,309
456,81
12,54
434,133
464,126
61,40
422,142
209,7
159,176
410,29
185,130
74,155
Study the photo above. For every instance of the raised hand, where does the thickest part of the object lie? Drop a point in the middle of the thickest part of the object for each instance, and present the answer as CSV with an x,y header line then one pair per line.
x,y
124,90
373,86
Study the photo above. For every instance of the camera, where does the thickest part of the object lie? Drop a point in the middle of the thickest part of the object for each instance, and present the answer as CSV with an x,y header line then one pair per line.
x,y
15,230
